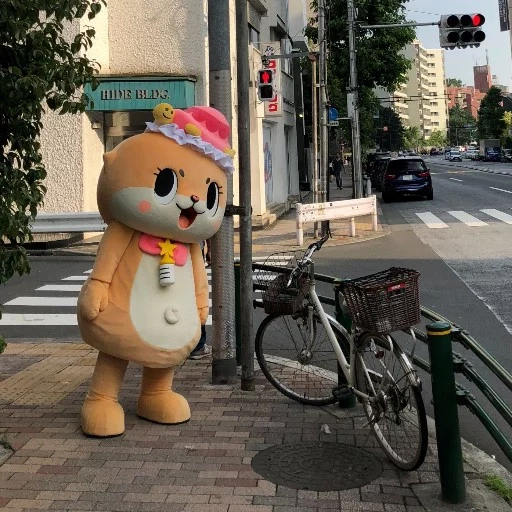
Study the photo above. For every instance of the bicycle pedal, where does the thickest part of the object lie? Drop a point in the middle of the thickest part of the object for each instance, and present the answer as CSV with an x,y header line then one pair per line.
x,y
341,392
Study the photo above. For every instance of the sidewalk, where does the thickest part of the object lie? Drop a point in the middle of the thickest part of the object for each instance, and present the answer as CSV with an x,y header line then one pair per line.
x,y
280,236
203,465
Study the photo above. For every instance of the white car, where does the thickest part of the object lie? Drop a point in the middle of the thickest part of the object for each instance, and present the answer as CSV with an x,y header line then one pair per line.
x,y
455,155
471,154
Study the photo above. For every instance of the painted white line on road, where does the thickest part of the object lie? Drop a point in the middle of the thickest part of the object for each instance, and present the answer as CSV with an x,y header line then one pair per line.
x,y
454,179
504,217
75,278
468,219
60,288
431,220
502,190
88,271
43,301
34,319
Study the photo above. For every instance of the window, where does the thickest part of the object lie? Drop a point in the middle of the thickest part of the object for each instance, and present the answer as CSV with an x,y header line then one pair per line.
x,y
400,166
434,103
254,36
434,113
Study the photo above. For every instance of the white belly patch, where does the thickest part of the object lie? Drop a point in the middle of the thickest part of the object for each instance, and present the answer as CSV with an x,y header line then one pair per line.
x,y
164,316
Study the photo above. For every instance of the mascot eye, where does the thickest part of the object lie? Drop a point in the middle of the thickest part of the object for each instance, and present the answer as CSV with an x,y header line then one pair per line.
x,y
212,198
166,185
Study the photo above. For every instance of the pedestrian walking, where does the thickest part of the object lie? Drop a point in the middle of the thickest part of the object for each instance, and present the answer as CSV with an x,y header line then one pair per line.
x,y
338,168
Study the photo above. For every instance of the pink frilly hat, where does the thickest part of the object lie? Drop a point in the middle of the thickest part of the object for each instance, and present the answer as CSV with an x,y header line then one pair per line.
x,y
204,129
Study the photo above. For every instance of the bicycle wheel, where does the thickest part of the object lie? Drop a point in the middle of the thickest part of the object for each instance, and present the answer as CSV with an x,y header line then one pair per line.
x,y
395,410
305,376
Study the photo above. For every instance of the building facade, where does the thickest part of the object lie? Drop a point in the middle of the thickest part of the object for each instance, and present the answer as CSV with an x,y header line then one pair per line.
x,y
482,77
421,101
157,51
467,97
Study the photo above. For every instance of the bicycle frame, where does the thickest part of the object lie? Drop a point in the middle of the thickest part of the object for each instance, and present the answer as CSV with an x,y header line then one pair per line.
x,y
346,367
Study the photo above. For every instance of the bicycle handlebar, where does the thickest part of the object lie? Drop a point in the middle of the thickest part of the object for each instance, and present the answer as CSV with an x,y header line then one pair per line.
x,y
306,259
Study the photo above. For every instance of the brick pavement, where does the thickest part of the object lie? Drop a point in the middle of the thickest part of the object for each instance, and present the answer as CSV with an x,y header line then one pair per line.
x,y
203,465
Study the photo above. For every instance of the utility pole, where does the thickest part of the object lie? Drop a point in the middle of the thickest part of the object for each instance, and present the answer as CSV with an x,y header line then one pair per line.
x,y
356,134
223,254
244,170
314,94
322,79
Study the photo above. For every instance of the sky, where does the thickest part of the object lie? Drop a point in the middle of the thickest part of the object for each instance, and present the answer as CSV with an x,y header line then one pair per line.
x,y
459,62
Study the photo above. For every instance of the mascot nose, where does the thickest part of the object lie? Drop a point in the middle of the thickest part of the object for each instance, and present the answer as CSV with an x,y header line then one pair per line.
x,y
195,199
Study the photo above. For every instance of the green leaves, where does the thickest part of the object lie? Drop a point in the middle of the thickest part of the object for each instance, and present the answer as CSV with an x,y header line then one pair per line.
x,y
39,68
491,124
459,121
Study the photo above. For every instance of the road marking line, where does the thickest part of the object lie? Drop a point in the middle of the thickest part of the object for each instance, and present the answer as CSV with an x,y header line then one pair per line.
x,y
75,278
454,179
504,217
502,190
431,220
88,271
35,319
43,301
468,219
60,288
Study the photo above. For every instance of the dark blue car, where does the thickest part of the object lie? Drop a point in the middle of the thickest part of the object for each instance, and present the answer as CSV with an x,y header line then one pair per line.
x,y
406,176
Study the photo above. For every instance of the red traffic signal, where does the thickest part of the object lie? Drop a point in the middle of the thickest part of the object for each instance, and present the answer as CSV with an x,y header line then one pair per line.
x,y
461,30
266,90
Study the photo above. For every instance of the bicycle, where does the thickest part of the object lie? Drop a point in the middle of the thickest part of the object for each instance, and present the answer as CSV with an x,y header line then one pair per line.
x,y
368,362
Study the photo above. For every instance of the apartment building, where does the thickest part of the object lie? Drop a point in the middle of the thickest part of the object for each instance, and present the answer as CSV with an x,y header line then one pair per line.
x,y
421,101
154,51
466,97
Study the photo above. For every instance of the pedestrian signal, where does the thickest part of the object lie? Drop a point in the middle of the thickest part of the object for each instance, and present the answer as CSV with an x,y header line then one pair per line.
x,y
461,31
266,84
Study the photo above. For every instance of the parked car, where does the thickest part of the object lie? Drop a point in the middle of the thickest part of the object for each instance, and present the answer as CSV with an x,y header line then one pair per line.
x,y
506,155
424,151
434,152
372,158
492,154
447,152
455,155
471,154
378,170
406,176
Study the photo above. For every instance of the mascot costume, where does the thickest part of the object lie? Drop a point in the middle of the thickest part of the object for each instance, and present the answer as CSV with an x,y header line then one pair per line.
x,y
161,193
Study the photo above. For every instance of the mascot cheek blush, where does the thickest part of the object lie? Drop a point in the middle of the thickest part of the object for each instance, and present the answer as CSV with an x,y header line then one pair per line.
x,y
161,193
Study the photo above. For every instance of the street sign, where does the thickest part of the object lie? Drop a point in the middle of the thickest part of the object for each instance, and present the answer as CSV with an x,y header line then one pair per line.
x,y
333,114
334,123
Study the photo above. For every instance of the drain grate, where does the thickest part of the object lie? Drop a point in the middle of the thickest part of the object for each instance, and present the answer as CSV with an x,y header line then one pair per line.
x,y
317,466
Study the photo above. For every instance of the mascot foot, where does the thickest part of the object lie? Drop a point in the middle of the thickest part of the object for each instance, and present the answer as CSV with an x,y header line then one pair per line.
x,y
102,418
165,407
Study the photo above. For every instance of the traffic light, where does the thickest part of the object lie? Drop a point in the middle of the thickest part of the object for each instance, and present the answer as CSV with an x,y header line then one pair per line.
x,y
461,30
266,85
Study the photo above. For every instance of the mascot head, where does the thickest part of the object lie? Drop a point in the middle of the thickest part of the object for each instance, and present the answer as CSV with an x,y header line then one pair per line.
x,y
171,180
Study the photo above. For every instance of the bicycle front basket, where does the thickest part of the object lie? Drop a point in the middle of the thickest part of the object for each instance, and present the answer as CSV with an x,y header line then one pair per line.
x,y
280,300
384,302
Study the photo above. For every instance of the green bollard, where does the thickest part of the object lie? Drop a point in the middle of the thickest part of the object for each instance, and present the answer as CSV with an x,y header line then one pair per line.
x,y
238,326
348,401
449,449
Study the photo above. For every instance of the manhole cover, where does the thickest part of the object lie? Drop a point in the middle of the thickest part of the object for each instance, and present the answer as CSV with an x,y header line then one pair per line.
x,y
317,466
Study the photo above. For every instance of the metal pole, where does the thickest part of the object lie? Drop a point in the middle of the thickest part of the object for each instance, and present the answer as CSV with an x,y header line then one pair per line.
x,y
356,136
223,279
449,450
244,168
315,137
322,76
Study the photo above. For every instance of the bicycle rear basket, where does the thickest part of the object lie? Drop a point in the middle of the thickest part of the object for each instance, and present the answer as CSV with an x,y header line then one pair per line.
x,y
384,302
272,280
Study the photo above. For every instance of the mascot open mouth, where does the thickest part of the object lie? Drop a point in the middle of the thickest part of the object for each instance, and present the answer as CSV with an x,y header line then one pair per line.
x,y
187,217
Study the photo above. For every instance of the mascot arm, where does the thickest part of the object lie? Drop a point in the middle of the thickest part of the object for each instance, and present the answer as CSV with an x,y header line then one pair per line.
x,y
110,251
201,282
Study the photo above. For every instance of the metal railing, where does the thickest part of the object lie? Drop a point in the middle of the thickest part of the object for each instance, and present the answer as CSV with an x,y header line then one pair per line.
x,y
72,222
460,364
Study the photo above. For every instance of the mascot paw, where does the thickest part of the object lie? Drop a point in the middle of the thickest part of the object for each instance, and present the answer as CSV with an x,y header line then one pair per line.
x,y
165,407
102,418
203,315
94,299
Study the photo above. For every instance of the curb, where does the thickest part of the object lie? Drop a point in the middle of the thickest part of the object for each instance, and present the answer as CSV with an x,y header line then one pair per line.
x,y
485,169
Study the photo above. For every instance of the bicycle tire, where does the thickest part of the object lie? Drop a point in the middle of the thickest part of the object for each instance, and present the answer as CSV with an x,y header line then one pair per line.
x,y
396,398
270,364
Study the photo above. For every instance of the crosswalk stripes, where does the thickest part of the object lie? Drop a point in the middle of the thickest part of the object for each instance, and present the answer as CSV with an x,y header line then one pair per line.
x,y
434,221
65,297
